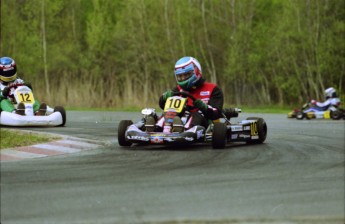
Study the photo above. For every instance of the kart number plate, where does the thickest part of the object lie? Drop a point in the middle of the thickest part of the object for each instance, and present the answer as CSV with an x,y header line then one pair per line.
x,y
175,103
253,129
25,97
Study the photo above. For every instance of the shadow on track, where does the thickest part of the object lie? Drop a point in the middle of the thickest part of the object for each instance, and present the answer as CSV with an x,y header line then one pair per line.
x,y
177,147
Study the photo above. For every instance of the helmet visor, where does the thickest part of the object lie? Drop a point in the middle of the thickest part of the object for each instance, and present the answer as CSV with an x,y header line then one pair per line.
x,y
184,76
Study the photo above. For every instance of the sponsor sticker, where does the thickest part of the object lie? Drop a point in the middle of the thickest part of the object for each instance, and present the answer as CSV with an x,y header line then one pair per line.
x,y
156,140
246,128
204,93
244,136
141,138
236,128
158,135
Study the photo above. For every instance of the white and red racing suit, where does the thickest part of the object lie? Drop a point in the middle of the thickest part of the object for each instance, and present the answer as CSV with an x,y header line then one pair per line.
x,y
210,94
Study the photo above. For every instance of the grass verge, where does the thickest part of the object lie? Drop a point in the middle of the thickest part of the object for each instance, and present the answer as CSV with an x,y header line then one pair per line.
x,y
15,138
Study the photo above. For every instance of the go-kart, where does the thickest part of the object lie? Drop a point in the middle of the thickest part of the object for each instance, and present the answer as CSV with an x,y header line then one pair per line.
x,y
219,132
309,111
22,94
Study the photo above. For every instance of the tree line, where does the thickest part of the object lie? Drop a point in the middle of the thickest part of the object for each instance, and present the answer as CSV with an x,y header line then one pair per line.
x,y
121,53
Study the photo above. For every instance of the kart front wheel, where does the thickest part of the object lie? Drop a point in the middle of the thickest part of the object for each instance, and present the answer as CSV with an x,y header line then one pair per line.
x,y
219,137
121,133
300,115
63,114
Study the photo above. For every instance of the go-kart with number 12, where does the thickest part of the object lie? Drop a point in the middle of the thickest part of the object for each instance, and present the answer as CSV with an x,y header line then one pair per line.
x,y
22,94
174,131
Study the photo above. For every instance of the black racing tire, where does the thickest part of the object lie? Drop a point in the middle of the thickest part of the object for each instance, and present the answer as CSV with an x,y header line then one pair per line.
x,y
300,115
262,130
219,136
62,111
336,115
121,133
253,118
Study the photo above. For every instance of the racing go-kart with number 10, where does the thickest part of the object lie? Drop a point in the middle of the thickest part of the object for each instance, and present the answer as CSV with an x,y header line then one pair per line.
x,y
219,132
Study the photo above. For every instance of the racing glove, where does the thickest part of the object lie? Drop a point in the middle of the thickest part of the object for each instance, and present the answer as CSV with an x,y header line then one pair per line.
x,y
167,94
313,102
200,104
6,92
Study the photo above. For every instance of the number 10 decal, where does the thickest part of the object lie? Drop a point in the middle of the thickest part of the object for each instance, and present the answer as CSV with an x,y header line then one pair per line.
x,y
253,129
175,103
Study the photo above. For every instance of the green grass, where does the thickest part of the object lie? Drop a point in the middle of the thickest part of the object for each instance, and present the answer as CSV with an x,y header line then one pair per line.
x,y
16,138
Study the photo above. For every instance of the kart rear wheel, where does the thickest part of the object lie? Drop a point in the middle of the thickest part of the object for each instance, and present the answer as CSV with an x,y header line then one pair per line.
x,y
252,118
219,137
62,111
261,129
336,115
121,133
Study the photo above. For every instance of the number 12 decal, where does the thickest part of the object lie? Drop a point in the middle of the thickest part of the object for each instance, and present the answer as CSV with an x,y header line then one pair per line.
x,y
25,97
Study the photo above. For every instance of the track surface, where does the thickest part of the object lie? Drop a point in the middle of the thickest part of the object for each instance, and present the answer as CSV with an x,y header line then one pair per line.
x,y
296,176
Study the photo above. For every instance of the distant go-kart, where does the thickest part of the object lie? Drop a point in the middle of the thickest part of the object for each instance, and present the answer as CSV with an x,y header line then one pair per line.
x,y
308,111
22,94
219,133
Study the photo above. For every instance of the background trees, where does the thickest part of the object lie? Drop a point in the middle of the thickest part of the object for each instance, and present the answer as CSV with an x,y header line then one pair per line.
x,y
115,53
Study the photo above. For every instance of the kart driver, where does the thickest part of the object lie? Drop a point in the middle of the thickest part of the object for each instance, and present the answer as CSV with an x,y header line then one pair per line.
x,y
331,100
209,103
8,79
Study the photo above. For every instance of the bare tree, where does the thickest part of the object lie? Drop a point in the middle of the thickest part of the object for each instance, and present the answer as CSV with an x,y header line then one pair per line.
x,y
44,46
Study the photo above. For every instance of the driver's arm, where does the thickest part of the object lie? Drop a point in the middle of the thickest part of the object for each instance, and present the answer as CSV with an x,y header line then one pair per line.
x,y
324,105
215,105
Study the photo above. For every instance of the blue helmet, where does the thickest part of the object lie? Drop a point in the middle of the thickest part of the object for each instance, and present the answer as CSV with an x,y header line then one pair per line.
x,y
187,72
8,70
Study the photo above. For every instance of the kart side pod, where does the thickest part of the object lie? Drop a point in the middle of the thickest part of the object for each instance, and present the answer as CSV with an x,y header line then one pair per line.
x,y
253,130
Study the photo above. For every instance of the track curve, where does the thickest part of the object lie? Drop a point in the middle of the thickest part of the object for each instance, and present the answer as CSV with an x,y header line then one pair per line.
x,y
296,176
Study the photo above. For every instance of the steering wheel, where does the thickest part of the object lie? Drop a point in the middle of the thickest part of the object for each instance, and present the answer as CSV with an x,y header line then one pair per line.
x,y
184,94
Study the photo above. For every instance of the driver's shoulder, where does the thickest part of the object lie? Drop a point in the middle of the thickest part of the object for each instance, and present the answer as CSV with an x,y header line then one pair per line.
x,y
18,81
210,84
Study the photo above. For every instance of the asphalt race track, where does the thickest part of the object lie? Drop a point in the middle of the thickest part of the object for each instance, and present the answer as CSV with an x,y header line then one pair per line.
x,y
296,176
